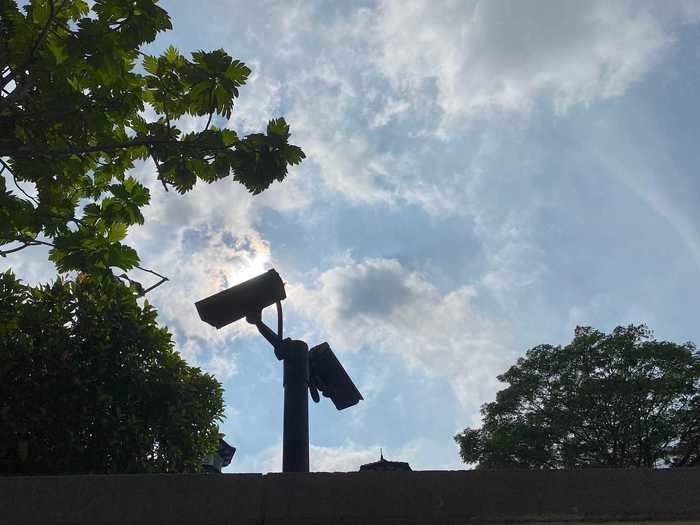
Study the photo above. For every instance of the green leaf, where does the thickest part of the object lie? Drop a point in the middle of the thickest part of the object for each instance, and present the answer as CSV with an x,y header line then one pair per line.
x,y
278,127
122,256
237,73
41,10
57,50
98,105
228,137
117,232
150,64
171,54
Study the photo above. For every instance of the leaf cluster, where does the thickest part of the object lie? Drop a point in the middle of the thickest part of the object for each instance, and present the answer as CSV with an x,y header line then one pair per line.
x,y
81,103
616,400
89,383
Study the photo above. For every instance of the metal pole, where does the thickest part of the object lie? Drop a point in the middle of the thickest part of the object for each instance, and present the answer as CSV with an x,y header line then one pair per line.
x,y
295,448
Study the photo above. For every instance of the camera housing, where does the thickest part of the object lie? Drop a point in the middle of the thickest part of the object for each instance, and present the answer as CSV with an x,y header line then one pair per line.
x,y
246,298
329,376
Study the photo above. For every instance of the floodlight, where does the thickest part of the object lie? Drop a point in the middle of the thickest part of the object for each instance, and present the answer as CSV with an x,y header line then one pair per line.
x,y
329,376
247,298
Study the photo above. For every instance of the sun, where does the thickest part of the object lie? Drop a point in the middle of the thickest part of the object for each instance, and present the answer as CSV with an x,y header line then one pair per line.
x,y
251,258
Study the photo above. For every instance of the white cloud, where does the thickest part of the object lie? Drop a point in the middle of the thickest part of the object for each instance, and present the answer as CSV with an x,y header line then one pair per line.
x,y
221,366
379,304
204,241
30,265
351,166
391,109
493,56
347,457
268,459
288,22
342,80
259,100
211,261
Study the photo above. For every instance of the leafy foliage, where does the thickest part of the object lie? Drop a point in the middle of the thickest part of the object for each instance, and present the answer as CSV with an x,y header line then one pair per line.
x,y
76,90
90,383
615,400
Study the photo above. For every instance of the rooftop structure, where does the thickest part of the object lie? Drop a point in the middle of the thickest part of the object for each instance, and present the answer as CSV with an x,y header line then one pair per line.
x,y
384,464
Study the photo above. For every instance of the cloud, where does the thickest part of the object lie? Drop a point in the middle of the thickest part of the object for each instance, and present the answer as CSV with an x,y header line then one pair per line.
x,y
380,305
199,262
221,366
347,457
495,56
203,242
31,265
375,94
259,100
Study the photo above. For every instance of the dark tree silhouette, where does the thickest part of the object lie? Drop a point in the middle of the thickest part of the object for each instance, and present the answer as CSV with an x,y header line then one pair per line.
x,y
90,384
608,400
88,381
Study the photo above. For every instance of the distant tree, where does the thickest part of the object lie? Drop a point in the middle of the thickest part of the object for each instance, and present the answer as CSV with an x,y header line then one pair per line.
x,y
604,400
90,384
80,103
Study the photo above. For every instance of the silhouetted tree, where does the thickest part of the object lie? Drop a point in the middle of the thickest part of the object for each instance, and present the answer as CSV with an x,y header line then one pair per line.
x,y
80,103
608,400
90,383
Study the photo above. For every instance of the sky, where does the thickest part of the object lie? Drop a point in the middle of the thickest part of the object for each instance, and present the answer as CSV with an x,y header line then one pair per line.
x,y
481,177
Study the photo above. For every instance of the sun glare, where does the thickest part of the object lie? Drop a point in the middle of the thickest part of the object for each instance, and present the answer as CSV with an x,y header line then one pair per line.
x,y
250,261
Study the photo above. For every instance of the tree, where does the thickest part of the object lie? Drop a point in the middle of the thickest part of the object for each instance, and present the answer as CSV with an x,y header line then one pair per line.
x,y
610,400
88,381
90,384
81,103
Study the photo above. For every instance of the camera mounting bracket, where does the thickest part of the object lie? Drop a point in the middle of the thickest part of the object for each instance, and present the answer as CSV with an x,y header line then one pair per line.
x,y
275,339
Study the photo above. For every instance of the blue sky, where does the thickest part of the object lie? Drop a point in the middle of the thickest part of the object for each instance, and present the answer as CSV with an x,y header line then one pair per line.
x,y
481,178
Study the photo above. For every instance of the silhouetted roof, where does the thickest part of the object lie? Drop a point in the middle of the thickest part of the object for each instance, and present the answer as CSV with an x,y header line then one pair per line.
x,y
384,464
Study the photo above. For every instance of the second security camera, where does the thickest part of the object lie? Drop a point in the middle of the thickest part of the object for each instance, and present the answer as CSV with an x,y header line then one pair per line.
x,y
329,376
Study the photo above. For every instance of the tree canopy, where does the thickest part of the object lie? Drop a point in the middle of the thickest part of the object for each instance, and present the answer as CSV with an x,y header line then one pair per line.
x,y
81,103
89,383
616,400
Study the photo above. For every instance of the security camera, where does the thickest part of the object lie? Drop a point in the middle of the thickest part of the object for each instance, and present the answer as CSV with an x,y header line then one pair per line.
x,y
305,371
329,376
245,299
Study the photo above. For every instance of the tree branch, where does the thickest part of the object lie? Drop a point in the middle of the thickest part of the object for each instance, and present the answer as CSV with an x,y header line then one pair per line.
x,y
155,161
25,244
5,253
211,107
162,279
24,152
20,91
14,179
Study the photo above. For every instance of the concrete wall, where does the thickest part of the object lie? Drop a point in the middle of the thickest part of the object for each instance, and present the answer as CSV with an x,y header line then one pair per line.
x,y
596,495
